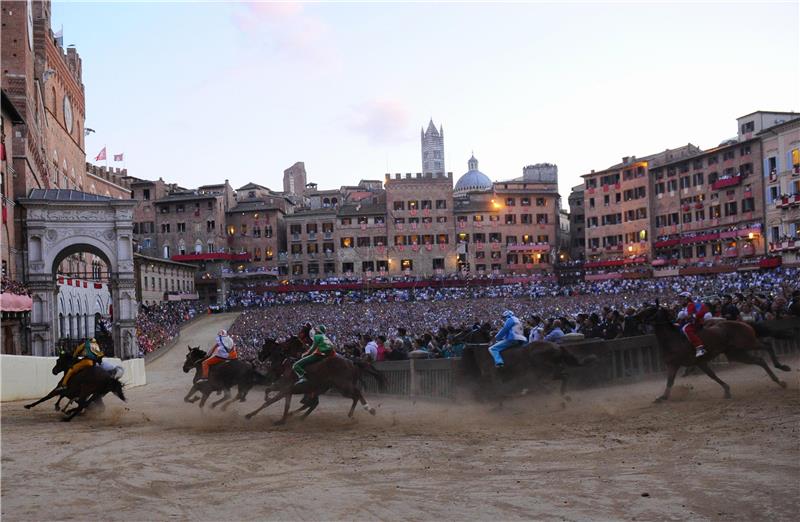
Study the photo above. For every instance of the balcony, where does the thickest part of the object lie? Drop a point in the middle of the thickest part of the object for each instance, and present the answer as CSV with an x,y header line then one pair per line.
x,y
212,256
788,201
787,245
727,182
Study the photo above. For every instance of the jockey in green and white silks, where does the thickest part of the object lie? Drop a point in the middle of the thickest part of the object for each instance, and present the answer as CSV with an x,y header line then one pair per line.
x,y
321,348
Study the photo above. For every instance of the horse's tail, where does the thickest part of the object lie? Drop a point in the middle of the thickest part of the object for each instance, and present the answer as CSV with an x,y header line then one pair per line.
x,y
366,367
116,388
763,330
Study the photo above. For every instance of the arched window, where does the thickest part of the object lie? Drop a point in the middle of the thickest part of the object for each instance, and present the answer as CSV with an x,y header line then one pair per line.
x,y
166,251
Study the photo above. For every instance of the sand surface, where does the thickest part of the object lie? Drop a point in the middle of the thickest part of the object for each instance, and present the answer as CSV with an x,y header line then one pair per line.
x,y
612,454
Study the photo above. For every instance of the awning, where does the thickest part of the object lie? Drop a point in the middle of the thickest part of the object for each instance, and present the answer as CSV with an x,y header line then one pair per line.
x,y
15,303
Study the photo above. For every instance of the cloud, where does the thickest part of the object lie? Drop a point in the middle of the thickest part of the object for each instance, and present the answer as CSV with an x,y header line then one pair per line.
x,y
382,121
290,29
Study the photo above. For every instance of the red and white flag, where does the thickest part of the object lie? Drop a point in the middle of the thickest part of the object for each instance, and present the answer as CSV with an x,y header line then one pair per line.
x,y
102,155
118,157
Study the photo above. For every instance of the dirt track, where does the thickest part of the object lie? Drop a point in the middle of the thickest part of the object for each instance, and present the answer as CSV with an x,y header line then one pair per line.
x,y
611,455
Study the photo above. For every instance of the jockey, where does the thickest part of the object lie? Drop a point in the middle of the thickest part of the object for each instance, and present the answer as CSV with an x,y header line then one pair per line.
x,y
90,354
320,349
694,313
223,350
306,334
510,335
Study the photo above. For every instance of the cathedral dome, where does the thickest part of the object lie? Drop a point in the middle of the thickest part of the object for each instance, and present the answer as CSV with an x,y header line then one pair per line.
x,y
474,180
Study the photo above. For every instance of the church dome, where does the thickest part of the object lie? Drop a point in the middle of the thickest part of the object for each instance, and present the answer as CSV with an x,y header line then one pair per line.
x,y
474,180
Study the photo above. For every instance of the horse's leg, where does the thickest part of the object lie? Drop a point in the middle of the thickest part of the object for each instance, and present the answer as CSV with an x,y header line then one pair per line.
x,y
672,370
206,394
67,405
708,371
223,399
82,403
364,402
286,405
45,398
767,347
311,407
748,358
353,406
273,400
192,390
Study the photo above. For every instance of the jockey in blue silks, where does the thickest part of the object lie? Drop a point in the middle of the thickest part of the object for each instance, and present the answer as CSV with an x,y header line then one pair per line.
x,y
510,335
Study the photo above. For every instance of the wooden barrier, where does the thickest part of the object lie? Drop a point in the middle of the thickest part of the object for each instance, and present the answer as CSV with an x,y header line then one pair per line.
x,y
619,361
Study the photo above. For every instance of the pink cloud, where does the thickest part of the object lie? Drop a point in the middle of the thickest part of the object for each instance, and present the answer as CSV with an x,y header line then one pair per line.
x,y
382,121
290,29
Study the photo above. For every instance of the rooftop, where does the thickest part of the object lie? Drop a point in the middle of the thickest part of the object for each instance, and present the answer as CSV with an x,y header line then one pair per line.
x,y
65,195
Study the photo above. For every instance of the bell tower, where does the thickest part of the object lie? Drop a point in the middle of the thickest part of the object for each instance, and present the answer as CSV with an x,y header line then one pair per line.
x,y
432,148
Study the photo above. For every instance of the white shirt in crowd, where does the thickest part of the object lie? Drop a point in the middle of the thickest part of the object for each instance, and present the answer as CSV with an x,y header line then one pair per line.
x,y
371,349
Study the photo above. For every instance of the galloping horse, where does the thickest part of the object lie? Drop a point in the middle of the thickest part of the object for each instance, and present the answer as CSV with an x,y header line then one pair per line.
x,y
334,372
86,386
735,339
222,377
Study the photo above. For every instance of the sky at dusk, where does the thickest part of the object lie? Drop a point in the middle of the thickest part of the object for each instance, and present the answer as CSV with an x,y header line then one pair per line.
x,y
200,92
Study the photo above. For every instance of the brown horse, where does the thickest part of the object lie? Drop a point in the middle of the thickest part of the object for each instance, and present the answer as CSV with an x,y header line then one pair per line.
x,y
222,377
334,372
526,366
733,338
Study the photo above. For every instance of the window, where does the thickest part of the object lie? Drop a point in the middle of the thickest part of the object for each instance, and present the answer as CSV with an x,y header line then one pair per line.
x,y
380,220
511,219
211,226
297,249
748,127
511,240
382,265
295,229
311,228
480,255
362,220
698,179
701,250
348,221
714,212
312,248
540,202
413,205
776,234
363,241
543,239
441,204
730,208
399,240
257,254
541,219
379,241
748,205
699,215
398,205
463,238
146,194
346,242
256,231
181,227
367,266
426,204
243,230
406,264
712,160
441,219
327,228
510,202
297,269
512,259
773,194
672,185
526,219
686,182
180,208
591,202
727,155
606,201
479,238
165,228
477,217
328,267
525,202
399,221
327,248
442,239
438,263
268,231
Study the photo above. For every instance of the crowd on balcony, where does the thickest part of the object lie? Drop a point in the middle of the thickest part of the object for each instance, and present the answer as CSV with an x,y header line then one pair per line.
x,y
10,286
596,309
158,325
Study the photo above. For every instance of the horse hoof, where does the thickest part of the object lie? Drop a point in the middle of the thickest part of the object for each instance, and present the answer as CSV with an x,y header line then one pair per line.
x,y
659,400
728,395
782,384
372,411
784,368
279,423
28,407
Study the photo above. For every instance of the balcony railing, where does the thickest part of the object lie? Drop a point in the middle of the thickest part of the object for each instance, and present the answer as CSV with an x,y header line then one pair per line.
x,y
727,182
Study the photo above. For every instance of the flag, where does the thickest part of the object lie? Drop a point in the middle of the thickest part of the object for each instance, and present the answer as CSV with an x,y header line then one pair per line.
x,y
118,157
102,155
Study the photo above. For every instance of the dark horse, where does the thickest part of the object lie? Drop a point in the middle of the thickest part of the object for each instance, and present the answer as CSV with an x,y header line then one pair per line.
x,y
222,377
735,339
527,364
334,372
86,386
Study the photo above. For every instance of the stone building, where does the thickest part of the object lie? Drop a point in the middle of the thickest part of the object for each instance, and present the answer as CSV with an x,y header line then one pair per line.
x,y
617,209
781,150
360,237
146,193
419,224
577,220
311,244
294,179
432,144
8,237
708,208
159,280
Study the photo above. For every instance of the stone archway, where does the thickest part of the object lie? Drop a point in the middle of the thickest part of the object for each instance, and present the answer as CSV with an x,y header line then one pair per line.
x,y
62,222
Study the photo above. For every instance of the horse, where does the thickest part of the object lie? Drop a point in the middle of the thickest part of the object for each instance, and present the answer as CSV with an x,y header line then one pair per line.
x,y
222,377
85,387
735,339
64,362
335,372
530,362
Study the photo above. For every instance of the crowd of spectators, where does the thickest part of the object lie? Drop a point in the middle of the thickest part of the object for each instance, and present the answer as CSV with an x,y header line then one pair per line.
x,y
410,318
13,287
158,325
